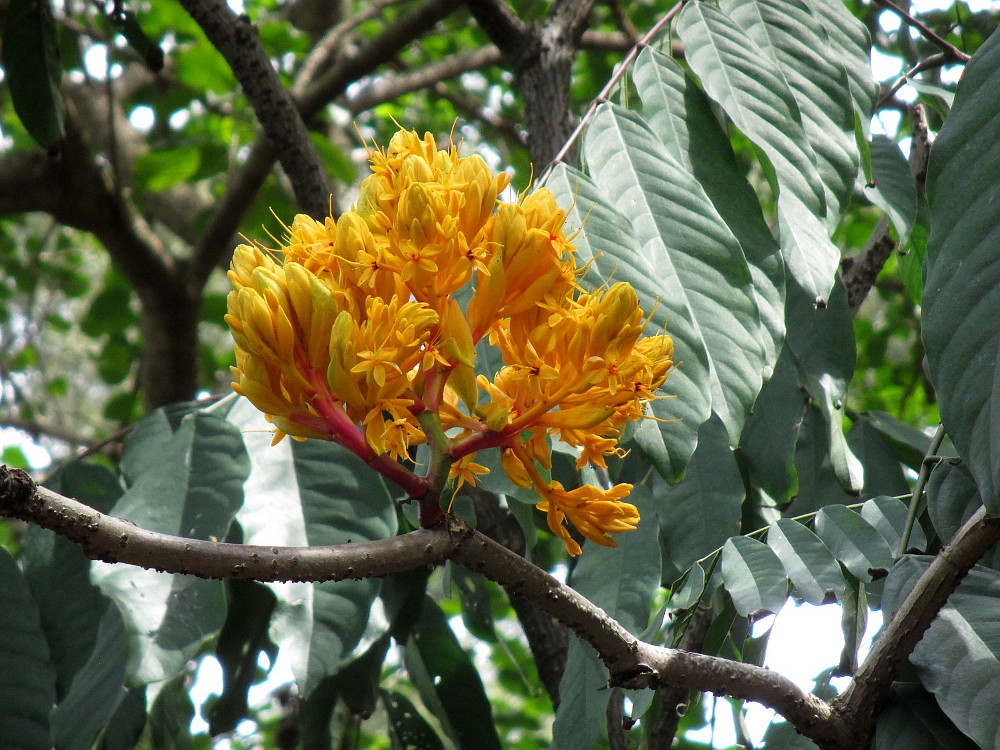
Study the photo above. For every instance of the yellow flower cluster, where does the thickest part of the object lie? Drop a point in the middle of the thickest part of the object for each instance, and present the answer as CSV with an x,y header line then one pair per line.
x,y
352,331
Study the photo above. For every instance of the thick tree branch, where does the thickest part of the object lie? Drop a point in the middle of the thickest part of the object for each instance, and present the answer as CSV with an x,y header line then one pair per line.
x,y
632,663
236,38
862,700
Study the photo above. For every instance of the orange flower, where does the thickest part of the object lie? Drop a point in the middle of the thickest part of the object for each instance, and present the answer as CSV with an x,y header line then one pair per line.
x,y
351,330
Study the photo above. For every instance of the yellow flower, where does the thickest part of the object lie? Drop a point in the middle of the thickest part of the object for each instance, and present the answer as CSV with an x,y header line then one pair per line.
x,y
594,512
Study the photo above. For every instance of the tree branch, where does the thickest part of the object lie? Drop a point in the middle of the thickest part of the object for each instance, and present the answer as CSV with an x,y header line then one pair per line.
x,y
632,663
925,31
391,86
236,38
914,615
860,273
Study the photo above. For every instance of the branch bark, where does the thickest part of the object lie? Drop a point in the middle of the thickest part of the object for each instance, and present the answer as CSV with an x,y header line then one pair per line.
x,y
541,56
870,687
632,663
237,40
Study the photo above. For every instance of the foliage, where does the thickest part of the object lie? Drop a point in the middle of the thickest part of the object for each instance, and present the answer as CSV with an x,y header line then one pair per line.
x,y
723,179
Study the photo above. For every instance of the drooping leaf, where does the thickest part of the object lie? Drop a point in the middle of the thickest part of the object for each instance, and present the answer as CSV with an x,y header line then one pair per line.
x,y
854,542
474,597
313,493
818,482
700,513
97,689
912,720
894,191
686,258
749,86
27,679
768,441
691,590
32,69
170,716
753,575
583,705
681,115
185,472
791,34
243,637
448,681
821,339
952,498
958,659
851,47
807,561
70,607
960,330
908,444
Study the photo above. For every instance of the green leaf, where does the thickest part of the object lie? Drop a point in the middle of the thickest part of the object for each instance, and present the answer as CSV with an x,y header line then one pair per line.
x,y
15,457
700,513
32,69
807,561
767,445
157,171
69,606
882,471
962,289
686,258
408,730
821,338
851,47
791,34
97,689
908,444
753,575
474,597
691,590
313,493
853,541
750,87
888,516
895,191
27,680
958,659
681,115
912,720
818,483
185,473
170,716
448,681
125,727
583,703
621,580
952,498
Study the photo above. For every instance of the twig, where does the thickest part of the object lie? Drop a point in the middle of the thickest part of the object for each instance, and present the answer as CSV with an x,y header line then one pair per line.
x,y
928,33
606,91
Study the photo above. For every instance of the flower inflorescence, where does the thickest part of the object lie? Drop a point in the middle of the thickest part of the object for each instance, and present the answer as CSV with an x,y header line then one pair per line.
x,y
352,331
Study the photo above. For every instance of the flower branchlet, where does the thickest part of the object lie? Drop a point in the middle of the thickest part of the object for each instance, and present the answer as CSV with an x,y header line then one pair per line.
x,y
352,331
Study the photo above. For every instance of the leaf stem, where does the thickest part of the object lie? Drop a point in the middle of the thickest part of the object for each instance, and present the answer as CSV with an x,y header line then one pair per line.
x,y
931,460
